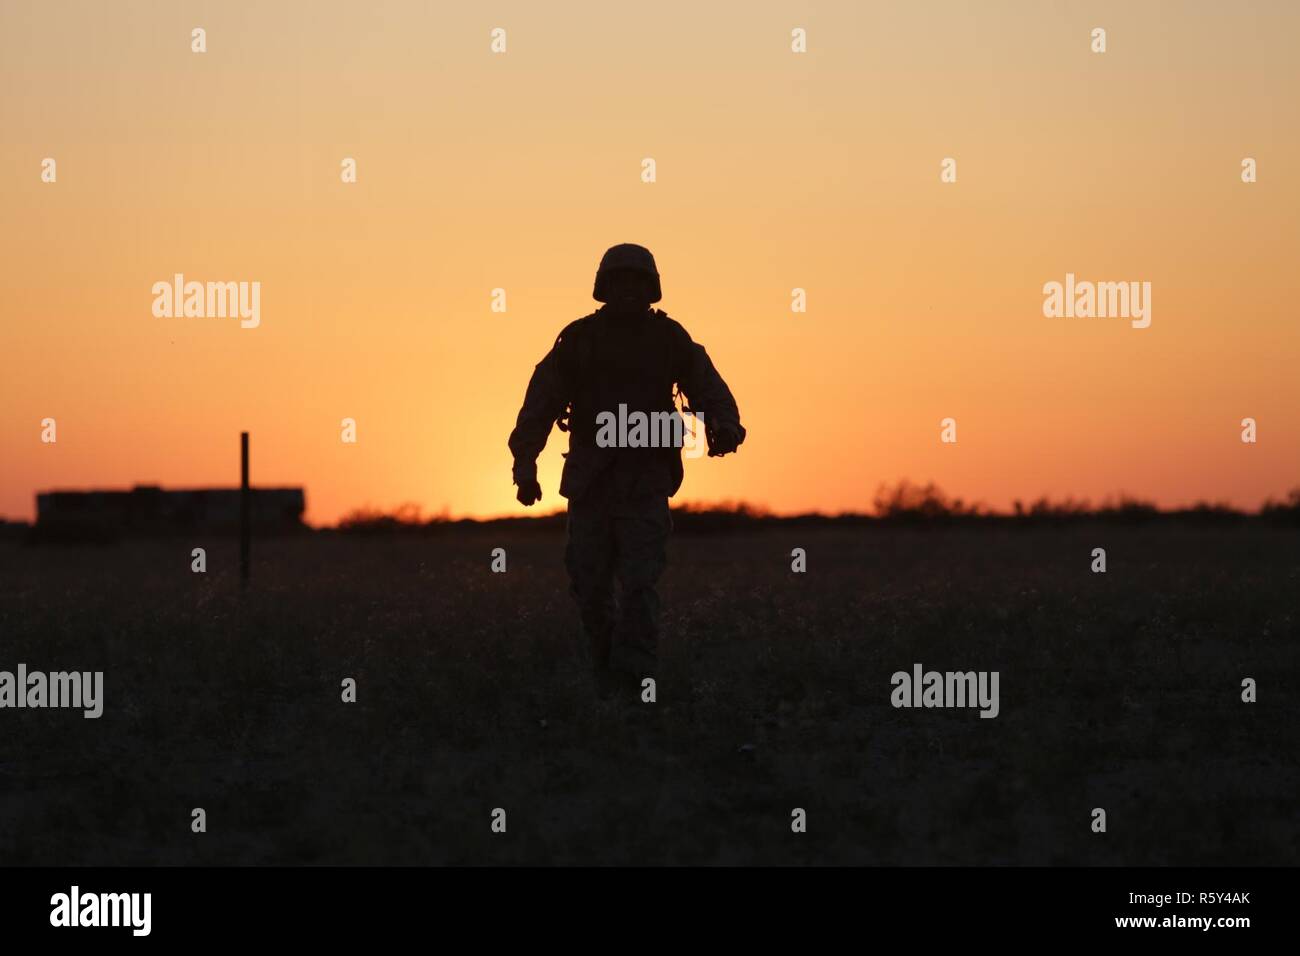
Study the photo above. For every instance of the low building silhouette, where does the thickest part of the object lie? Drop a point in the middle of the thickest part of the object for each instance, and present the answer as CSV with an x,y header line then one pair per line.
x,y
148,510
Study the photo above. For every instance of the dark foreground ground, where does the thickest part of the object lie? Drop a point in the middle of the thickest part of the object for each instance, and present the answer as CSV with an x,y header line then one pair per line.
x,y
1119,690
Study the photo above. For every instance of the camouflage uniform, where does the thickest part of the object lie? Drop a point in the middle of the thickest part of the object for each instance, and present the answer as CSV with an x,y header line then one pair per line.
x,y
618,520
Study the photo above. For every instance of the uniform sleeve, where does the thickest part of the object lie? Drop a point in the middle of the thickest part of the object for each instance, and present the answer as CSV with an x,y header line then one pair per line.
x,y
704,388
544,402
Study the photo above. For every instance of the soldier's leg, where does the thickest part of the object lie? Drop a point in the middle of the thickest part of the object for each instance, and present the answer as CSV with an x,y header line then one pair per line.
x,y
589,557
641,543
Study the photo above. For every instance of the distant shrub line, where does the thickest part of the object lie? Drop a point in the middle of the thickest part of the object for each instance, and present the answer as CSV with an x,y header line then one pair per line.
x,y
905,503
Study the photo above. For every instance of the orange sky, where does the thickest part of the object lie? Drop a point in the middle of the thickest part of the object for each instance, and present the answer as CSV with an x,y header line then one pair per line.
x,y
775,170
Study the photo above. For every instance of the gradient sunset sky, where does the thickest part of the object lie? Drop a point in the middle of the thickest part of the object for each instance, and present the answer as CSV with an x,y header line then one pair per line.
x,y
775,170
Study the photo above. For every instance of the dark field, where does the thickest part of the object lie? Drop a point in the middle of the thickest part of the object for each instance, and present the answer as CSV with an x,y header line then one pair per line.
x,y
1119,690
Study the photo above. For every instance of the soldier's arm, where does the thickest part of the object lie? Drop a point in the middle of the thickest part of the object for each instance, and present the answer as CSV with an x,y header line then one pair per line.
x,y
709,396
707,391
543,403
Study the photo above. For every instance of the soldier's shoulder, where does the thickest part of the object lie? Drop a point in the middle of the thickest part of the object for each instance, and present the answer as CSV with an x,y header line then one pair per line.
x,y
575,328
675,327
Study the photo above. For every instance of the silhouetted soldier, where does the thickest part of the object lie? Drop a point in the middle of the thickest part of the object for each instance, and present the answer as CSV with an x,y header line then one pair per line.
x,y
631,355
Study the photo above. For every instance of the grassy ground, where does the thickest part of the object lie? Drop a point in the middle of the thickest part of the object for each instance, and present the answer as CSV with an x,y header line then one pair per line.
x,y
1118,690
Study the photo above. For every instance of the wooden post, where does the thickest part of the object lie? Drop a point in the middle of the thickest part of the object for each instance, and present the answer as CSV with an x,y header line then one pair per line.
x,y
245,505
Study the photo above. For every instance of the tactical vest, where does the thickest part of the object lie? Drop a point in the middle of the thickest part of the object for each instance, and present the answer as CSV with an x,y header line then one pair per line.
x,y
620,359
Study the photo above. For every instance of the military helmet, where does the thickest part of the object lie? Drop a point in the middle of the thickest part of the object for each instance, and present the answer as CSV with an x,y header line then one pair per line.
x,y
626,256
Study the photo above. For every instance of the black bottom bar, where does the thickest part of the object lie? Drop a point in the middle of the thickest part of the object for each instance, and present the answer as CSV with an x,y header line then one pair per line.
x,y
337,905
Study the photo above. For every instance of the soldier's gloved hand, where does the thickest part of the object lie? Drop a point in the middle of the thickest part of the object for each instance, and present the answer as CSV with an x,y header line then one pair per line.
x,y
529,493
724,439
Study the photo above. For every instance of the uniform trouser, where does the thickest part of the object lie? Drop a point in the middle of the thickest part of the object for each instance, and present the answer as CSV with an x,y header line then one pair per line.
x,y
625,538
